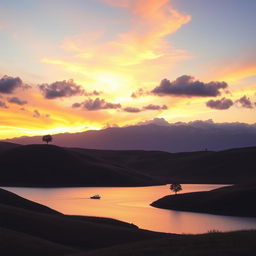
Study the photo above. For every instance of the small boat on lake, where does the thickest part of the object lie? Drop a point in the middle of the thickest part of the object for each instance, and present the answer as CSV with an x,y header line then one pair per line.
x,y
95,197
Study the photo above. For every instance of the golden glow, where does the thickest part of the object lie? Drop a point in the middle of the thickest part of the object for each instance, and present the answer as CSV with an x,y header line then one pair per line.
x,y
238,73
137,55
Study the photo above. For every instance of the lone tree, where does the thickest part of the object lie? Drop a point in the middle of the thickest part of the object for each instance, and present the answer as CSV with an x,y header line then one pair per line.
x,y
175,187
47,138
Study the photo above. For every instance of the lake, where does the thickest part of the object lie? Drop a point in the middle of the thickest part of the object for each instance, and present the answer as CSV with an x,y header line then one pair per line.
x,y
132,204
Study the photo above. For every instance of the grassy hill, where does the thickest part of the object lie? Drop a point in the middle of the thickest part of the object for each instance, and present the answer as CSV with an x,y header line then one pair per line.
x,y
49,165
229,166
237,200
212,244
7,145
9,199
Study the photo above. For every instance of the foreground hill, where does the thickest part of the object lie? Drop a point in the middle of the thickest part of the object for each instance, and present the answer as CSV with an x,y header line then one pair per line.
x,y
177,137
217,244
9,199
31,231
237,200
7,145
48,165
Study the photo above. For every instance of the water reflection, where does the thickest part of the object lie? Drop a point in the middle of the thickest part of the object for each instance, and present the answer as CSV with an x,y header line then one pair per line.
x,y
132,205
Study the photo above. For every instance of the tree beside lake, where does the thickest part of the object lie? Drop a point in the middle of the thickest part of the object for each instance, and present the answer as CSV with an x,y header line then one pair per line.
x,y
176,187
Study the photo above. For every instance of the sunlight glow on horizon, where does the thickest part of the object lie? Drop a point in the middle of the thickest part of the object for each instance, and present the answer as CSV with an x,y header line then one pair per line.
x,y
117,49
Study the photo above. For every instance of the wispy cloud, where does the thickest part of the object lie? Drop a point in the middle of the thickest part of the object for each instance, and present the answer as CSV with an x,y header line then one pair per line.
x,y
141,48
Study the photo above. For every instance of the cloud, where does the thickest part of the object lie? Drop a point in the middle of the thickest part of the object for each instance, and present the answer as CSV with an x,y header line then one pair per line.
x,y
96,104
16,100
245,102
132,110
156,121
220,104
9,84
136,50
36,114
76,105
240,68
148,107
151,22
139,93
61,89
3,105
155,107
187,86
93,93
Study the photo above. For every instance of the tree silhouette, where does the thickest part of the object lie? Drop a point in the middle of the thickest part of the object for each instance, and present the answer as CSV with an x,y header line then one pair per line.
x,y
47,138
175,187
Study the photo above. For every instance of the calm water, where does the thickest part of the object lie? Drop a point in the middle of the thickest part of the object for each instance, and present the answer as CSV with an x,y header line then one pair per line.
x,y
132,205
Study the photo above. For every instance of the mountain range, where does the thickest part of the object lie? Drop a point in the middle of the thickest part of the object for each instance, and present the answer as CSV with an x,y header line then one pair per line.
x,y
158,135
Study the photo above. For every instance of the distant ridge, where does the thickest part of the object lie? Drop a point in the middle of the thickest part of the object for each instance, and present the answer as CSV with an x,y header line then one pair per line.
x,y
53,166
177,137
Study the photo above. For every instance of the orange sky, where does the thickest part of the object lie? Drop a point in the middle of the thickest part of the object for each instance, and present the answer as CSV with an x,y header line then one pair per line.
x,y
115,48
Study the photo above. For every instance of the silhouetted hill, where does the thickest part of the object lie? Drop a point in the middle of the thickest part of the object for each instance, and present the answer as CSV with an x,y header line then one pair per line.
x,y
48,165
11,199
176,137
213,244
237,200
13,243
7,145
31,232
229,166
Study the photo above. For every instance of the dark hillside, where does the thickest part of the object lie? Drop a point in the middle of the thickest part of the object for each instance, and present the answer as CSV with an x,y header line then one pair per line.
x,y
237,200
48,165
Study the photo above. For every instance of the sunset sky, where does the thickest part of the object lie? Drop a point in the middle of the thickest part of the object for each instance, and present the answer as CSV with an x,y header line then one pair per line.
x,y
76,65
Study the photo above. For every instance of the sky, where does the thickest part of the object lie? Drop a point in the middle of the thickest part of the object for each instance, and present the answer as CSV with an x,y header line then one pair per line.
x,y
75,65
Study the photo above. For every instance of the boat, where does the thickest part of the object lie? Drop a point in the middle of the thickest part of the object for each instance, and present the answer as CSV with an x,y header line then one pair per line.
x,y
95,197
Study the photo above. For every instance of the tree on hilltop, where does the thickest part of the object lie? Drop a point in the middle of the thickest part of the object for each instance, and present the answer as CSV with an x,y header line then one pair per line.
x,y
47,138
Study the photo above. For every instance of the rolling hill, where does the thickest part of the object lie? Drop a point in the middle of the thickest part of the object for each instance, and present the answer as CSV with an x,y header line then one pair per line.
x,y
34,229
49,165
237,200
30,231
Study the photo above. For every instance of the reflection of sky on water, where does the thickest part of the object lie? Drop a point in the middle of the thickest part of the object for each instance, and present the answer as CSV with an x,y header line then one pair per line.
x,y
133,205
